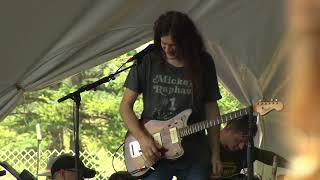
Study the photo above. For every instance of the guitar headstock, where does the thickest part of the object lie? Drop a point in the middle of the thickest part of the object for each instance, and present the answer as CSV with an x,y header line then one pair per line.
x,y
264,107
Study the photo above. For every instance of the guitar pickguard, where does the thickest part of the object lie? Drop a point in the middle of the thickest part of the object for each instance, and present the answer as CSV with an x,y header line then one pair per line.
x,y
135,150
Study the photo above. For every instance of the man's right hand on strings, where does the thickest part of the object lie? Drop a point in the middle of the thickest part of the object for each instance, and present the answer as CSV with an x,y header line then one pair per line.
x,y
149,148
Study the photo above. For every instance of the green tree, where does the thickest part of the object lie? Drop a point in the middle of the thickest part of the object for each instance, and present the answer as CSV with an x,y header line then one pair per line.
x,y
228,102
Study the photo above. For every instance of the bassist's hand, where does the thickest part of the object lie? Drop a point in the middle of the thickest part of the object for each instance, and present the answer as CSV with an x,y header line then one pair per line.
x,y
149,148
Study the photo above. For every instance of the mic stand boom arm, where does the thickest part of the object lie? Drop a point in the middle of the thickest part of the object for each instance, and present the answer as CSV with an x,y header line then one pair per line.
x,y
76,97
93,85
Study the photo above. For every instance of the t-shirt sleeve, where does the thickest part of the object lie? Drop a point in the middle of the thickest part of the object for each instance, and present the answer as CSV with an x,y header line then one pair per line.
x,y
135,77
211,91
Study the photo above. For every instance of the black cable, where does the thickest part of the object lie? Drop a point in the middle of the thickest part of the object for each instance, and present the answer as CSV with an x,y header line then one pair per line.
x,y
114,155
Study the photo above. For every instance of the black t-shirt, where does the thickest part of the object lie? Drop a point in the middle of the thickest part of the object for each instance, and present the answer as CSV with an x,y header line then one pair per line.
x,y
167,92
234,161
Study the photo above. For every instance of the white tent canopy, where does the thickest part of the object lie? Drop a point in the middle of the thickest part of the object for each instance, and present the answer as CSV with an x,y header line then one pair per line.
x,y
46,41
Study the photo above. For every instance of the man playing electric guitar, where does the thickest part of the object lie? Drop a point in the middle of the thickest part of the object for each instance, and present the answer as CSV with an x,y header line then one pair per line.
x,y
178,75
233,150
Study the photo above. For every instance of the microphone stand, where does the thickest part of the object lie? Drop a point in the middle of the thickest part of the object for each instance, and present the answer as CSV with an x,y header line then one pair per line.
x,y
76,97
250,146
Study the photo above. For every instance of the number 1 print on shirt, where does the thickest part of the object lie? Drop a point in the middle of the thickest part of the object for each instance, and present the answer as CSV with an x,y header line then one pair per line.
x,y
172,104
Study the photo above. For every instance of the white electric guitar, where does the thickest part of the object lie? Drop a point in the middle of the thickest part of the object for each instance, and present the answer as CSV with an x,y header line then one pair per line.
x,y
169,134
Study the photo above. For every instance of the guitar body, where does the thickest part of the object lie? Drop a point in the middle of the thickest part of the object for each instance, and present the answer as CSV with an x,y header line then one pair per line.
x,y
165,133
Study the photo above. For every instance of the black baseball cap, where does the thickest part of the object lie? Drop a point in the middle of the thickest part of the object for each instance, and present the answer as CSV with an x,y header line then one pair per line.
x,y
67,162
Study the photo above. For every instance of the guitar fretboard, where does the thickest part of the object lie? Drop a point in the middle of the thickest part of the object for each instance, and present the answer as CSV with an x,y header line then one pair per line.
x,y
186,131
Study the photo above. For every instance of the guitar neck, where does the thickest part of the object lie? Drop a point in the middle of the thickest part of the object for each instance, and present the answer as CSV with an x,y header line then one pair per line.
x,y
186,131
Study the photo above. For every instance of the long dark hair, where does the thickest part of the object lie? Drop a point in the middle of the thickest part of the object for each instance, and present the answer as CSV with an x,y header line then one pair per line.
x,y
188,41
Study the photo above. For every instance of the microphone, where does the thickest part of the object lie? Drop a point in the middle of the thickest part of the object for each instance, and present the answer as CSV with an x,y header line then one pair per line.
x,y
39,137
3,173
142,53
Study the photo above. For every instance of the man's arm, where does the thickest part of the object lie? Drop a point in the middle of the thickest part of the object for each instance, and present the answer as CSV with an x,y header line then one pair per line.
x,y
147,144
212,111
266,157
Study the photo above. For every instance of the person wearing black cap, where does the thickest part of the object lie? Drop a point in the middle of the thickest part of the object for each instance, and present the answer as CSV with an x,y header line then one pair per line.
x,y
64,169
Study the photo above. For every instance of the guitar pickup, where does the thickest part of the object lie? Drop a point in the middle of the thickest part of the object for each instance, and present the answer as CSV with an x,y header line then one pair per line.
x,y
157,138
174,135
